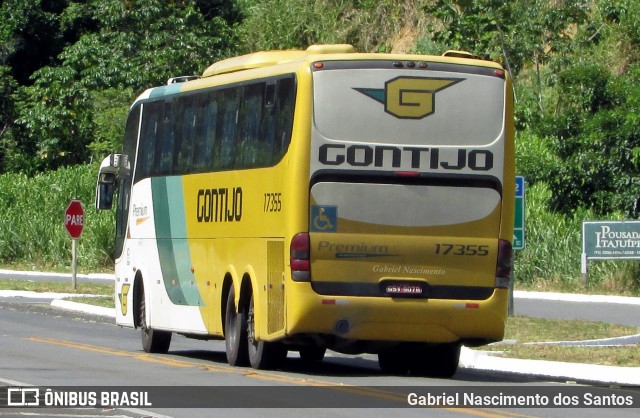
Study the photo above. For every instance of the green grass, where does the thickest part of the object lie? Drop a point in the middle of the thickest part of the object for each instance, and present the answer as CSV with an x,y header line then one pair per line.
x,y
550,260
103,293
103,301
31,220
57,287
525,329
626,356
522,331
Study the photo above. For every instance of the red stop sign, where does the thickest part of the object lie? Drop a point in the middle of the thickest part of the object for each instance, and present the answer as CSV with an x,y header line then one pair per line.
x,y
74,219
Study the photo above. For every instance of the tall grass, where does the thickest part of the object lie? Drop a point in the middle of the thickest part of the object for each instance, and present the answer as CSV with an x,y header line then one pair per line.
x,y
32,233
369,25
31,220
551,258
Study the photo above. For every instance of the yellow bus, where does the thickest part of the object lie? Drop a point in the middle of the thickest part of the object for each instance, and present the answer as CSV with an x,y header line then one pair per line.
x,y
319,199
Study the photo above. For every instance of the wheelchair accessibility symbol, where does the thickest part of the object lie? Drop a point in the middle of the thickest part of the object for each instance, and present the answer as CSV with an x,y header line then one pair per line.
x,y
324,218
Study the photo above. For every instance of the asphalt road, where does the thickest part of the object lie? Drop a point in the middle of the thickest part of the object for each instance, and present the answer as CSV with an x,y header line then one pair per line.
x,y
44,346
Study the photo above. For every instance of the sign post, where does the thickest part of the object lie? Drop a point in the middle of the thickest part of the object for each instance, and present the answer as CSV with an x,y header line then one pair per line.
x,y
518,224
74,223
518,233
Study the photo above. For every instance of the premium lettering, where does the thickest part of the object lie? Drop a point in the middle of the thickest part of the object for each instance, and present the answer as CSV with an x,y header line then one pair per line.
x,y
353,248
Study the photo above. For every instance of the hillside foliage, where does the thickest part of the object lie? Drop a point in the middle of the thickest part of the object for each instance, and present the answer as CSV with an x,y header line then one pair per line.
x,y
70,68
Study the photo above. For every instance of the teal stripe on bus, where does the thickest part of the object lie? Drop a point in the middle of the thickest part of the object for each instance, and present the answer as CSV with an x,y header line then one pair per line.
x,y
171,239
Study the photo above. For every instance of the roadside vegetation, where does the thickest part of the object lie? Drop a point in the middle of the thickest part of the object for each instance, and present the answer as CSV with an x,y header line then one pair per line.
x,y
101,294
525,338
31,221
88,293
31,211
57,287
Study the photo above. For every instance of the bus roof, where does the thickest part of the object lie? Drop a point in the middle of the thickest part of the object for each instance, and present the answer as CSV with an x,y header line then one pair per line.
x,y
266,58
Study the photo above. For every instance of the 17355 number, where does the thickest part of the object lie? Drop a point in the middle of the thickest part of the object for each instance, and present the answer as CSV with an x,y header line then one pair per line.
x,y
461,249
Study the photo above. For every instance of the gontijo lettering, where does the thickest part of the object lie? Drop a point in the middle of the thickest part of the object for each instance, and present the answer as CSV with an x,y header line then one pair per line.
x,y
219,205
393,157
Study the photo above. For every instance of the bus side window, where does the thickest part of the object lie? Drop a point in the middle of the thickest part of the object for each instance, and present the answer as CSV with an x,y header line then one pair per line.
x,y
268,127
227,124
284,114
165,138
124,186
185,135
250,114
205,125
151,113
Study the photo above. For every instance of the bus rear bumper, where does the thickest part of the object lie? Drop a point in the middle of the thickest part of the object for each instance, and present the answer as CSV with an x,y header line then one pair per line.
x,y
474,322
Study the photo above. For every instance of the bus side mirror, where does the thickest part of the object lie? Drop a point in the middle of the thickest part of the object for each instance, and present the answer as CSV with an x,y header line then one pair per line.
x,y
107,179
104,194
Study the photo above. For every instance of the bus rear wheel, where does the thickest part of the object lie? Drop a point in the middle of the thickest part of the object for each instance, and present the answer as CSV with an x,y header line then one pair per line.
x,y
312,354
235,332
396,360
439,360
262,354
153,340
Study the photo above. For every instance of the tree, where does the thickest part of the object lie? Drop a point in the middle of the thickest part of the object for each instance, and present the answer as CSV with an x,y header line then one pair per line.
x,y
30,35
596,135
122,48
7,86
29,39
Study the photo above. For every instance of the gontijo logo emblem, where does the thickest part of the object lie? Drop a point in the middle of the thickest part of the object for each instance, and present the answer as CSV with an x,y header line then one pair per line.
x,y
409,97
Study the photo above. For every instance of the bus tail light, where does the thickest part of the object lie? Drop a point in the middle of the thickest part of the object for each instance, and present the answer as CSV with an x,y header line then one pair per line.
x,y
505,264
299,252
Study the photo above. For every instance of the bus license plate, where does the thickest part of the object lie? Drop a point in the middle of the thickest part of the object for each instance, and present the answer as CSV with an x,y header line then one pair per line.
x,y
406,289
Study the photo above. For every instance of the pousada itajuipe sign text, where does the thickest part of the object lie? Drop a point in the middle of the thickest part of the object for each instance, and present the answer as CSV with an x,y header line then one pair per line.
x,y
611,240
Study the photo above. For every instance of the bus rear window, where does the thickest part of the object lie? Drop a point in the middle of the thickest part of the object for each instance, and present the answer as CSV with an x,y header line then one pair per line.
x,y
385,106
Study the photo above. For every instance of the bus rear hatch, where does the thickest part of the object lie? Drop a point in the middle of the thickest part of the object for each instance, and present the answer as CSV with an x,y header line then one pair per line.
x,y
406,179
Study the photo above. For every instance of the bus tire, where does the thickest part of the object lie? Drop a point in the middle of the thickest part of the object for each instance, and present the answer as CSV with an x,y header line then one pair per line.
x,y
312,354
262,354
396,360
153,340
439,360
235,332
